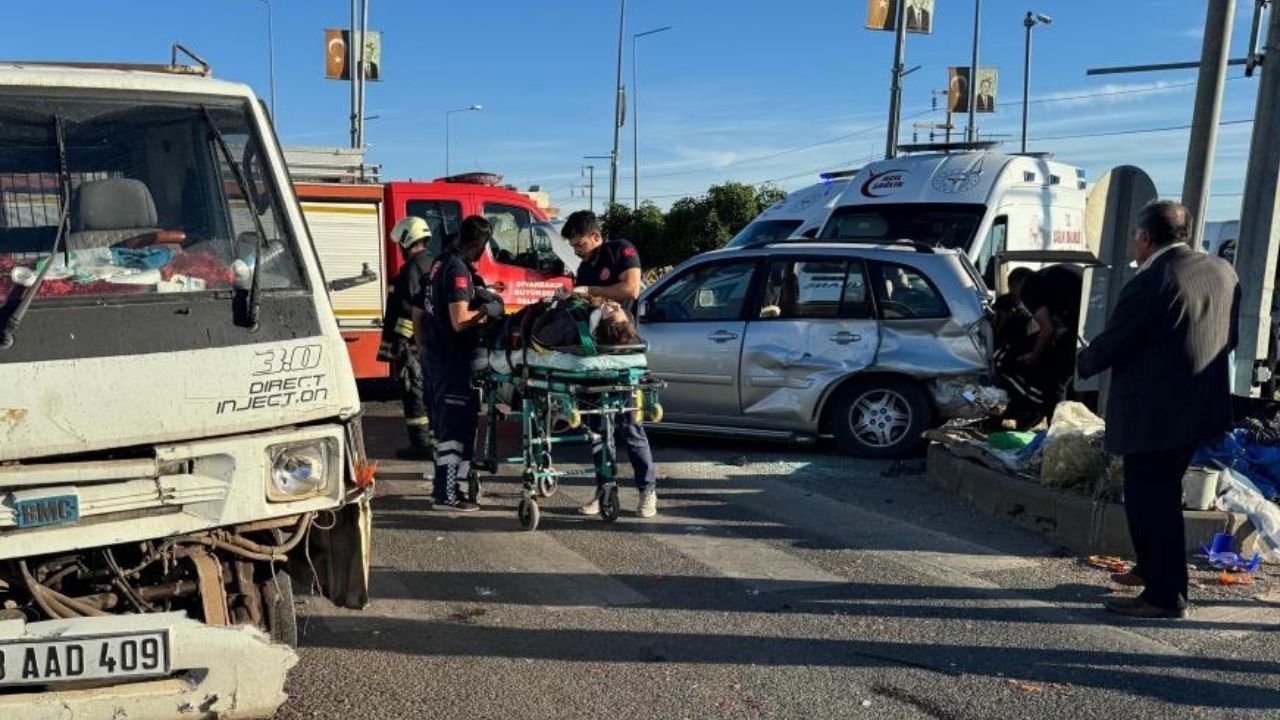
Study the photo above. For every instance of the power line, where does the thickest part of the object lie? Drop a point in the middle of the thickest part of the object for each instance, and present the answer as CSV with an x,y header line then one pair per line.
x,y
1136,131
920,113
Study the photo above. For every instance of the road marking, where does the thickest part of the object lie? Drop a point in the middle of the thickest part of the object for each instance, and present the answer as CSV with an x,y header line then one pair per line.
x,y
568,579
757,565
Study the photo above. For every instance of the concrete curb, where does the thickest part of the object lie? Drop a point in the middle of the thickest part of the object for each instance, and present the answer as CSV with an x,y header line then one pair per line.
x,y
1069,519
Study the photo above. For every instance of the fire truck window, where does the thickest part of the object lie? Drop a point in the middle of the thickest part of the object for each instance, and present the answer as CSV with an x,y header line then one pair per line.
x,y
442,216
513,241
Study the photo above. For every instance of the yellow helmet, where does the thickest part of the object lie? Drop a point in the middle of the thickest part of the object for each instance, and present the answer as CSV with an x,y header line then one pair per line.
x,y
409,231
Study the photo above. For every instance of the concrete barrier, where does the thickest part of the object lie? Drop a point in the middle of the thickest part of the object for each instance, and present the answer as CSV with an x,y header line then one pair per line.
x,y
1073,520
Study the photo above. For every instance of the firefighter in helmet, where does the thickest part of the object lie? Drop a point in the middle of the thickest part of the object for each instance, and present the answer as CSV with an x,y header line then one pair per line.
x,y
400,346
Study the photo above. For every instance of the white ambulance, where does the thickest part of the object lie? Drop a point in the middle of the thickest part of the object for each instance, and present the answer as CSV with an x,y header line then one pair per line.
x,y
970,197
179,423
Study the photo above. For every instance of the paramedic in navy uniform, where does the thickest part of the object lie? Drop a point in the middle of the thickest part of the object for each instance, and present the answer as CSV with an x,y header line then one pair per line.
x,y
452,316
611,270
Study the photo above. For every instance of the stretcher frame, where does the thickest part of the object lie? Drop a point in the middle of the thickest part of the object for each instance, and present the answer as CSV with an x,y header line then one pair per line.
x,y
547,395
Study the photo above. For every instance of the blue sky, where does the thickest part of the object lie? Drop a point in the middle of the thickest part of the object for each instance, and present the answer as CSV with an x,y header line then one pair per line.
x,y
748,90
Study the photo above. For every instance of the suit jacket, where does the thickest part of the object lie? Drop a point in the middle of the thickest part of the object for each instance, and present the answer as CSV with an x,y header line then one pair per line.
x,y
985,103
1167,345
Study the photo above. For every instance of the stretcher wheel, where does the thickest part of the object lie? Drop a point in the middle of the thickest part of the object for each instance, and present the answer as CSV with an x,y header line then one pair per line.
x,y
609,505
528,514
547,486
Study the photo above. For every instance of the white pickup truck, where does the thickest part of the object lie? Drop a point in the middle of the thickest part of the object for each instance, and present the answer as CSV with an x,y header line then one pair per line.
x,y
179,424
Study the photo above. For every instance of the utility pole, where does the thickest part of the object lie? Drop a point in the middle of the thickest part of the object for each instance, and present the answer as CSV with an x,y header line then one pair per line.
x,y
364,28
619,109
1259,230
590,172
1208,111
895,86
972,131
352,59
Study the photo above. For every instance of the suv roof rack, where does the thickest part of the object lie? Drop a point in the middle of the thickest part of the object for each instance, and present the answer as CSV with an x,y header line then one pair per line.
x,y
949,147
201,68
917,245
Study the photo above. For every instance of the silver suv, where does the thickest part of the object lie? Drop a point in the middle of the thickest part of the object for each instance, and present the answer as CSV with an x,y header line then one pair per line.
x,y
871,344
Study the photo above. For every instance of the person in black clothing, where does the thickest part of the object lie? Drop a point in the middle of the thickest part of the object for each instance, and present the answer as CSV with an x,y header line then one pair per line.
x,y
400,342
1052,296
611,270
451,317
1168,345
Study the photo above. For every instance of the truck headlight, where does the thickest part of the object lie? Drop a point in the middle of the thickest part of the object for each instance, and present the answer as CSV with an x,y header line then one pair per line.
x,y
300,470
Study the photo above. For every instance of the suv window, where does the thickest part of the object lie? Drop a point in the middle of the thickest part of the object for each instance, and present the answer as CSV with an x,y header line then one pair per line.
x,y
706,293
513,241
443,217
801,289
905,293
949,225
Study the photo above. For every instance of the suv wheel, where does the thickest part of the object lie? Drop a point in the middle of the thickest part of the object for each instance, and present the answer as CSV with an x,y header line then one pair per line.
x,y
881,418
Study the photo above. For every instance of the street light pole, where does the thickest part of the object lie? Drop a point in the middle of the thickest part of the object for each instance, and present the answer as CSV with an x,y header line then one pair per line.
x,y
448,114
635,114
1029,22
618,109
972,131
895,87
271,57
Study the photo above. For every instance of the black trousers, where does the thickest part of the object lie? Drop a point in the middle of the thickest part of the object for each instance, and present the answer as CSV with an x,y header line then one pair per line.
x,y
454,406
1153,506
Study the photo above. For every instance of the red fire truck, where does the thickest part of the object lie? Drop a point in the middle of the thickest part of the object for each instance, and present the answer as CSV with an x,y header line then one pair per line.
x,y
350,214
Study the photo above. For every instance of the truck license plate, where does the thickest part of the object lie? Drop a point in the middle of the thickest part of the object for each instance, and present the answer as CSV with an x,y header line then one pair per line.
x,y
50,510
132,656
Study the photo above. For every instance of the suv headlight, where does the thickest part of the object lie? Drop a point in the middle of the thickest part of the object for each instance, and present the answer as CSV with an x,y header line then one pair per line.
x,y
300,470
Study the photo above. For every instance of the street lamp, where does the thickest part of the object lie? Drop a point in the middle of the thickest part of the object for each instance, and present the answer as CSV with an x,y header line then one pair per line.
x,y
635,113
447,115
271,58
1032,19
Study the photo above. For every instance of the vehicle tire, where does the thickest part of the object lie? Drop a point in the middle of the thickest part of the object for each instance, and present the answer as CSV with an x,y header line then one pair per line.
x,y
279,612
880,418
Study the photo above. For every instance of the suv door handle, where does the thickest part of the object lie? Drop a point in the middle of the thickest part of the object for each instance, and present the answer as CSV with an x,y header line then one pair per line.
x,y
722,336
844,338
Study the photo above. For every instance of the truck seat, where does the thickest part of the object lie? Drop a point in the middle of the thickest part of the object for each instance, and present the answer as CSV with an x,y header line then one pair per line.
x,y
106,212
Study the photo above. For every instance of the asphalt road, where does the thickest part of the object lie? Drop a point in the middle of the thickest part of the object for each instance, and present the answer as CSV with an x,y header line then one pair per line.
x,y
776,583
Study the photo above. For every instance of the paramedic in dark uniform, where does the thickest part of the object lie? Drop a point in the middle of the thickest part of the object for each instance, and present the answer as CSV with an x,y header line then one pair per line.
x,y
400,343
611,270
450,321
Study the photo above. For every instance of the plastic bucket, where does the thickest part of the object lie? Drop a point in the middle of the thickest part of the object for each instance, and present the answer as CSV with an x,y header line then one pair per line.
x,y
1199,488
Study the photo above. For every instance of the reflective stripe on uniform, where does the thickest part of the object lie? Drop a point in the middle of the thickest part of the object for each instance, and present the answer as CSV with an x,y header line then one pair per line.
x,y
417,421
404,327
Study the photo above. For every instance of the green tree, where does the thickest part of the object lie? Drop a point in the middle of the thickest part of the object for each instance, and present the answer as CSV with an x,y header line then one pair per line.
x,y
768,194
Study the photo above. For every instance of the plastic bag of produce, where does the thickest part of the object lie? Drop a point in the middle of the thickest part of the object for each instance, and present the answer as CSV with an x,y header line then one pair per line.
x,y
1073,454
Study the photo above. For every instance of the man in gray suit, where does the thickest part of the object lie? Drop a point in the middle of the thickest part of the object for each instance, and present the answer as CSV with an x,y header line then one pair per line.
x,y
1167,344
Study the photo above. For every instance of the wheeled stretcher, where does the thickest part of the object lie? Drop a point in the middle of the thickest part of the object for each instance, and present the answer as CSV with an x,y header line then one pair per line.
x,y
561,396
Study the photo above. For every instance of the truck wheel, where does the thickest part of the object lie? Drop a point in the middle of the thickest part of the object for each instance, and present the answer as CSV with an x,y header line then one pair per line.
x,y
281,615
880,418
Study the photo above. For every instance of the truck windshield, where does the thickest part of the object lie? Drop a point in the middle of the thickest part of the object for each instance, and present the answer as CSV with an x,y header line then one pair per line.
x,y
153,205
949,225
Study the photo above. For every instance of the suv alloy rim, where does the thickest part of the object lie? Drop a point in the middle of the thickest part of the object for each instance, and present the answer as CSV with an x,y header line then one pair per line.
x,y
880,418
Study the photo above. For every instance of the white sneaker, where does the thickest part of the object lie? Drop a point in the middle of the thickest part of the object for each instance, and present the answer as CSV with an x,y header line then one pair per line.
x,y
648,504
593,507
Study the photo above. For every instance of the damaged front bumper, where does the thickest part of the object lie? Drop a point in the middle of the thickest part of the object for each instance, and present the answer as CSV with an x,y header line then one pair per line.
x,y
222,672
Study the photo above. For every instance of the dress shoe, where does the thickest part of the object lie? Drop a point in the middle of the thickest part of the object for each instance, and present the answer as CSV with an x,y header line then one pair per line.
x,y
1128,579
1139,608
